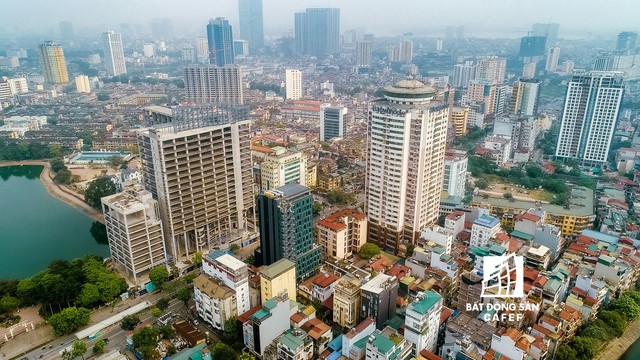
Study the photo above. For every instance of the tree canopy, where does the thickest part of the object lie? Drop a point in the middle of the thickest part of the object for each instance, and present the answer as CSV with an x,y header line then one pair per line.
x,y
369,250
69,320
129,322
223,351
159,275
97,189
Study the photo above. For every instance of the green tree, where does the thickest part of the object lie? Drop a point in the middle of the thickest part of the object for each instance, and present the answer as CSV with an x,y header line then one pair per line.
x,y
129,322
98,348
89,295
145,341
247,356
482,184
316,208
155,312
8,304
184,295
79,349
566,353
616,322
102,96
115,161
63,177
162,304
167,332
508,196
369,250
69,320
234,248
197,258
223,351
232,333
99,232
159,275
585,347
57,165
409,251
97,189
251,260
626,306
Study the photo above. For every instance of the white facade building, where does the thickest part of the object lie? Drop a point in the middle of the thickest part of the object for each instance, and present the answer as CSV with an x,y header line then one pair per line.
x,y
422,321
455,172
405,162
440,236
293,84
283,167
589,117
553,55
363,53
233,273
134,231
113,53
483,229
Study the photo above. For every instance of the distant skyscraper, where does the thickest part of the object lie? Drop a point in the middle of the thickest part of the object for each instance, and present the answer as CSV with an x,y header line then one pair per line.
x,y
161,29
293,84
82,84
127,31
455,172
627,42
317,31
52,62
251,23
529,70
406,51
286,229
363,53
550,31
209,84
148,50
202,50
113,53
198,168
405,163
463,73
439,44
553,55
589,116
66,30
492,69
332,122
532,48
220,39
524,97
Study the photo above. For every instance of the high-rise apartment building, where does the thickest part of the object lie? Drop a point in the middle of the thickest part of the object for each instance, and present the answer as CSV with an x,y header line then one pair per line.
x,y
553,55
550,31
283,167
293,84
251,23
455,172
627,41
524,97
113,53
202,50
220,41
286,228
332,122
82,84
342,233
346,302
317,31
134,231
406,51
459,117
482,92
529,70
532,48
407,132
208,84
589,116
491,68
198,167
379,296
422,321
52,63
66,30
463,73
363,53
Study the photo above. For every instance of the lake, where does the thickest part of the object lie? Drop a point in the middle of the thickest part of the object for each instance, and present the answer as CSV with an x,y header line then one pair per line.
x,y
36,228
633,352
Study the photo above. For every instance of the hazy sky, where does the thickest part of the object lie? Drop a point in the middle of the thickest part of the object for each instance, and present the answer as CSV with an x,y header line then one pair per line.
x,y
382,17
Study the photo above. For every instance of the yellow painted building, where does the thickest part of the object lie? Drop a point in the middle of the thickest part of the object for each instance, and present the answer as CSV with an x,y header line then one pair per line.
x,y
459,118
277,277
346,302
53,63
571,220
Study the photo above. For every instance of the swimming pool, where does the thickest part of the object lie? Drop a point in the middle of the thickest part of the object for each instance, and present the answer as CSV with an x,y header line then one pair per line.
x,y
97,157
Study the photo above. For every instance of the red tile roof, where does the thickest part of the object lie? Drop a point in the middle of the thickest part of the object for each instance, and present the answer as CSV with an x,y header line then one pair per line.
x,y
325,280
336,222
429,355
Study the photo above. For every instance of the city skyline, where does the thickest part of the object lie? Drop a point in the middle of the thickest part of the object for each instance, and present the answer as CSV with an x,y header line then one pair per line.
x,y
279,16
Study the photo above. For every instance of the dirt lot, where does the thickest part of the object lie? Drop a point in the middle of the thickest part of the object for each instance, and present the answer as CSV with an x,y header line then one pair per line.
x,y
499,187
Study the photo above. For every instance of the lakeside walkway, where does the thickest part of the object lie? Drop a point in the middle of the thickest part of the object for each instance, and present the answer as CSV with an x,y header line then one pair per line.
x,y
60,192
618,346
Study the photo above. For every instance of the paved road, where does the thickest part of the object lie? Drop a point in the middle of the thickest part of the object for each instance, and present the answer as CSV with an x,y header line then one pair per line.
x,y
117,337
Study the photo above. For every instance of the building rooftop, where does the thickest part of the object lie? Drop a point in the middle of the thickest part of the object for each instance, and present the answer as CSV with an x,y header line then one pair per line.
x,y
378,283
231,262
288,190
426,302
276,269
325,280
487,221
212,288
336,221
581,203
